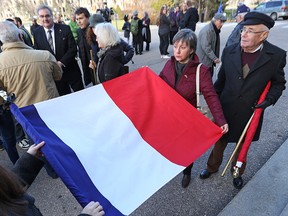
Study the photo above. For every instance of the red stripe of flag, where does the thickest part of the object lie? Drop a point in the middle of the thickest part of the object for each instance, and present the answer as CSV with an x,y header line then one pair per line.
x,y
173,127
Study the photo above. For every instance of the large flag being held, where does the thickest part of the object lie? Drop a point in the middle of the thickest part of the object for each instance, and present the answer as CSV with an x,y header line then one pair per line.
x,y
100,138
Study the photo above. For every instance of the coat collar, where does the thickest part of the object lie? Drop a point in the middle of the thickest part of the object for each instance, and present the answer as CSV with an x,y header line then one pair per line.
x,y
235,56
264,57
15,45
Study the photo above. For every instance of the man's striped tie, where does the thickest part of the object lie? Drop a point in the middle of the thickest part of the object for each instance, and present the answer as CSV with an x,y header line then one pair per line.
x,y
50,39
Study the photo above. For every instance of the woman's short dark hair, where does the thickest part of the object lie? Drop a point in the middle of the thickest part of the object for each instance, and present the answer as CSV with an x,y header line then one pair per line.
x,y
186,36
126,18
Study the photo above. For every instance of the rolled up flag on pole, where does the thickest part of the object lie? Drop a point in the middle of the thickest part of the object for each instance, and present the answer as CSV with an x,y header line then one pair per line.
x,y
99,139
252,128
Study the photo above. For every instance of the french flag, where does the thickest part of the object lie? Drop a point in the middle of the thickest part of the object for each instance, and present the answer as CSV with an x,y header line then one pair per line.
x,y
100,138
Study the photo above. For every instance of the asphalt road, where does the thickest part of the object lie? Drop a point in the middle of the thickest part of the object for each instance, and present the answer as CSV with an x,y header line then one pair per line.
x,y
202,197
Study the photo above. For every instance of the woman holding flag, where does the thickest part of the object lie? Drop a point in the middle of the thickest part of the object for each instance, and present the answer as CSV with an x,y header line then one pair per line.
x,y
180,73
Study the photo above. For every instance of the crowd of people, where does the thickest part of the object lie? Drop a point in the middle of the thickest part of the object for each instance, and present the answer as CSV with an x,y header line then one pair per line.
x,y
46,60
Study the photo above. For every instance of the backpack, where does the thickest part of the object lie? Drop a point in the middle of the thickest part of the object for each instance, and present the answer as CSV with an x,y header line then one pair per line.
x,y
134,26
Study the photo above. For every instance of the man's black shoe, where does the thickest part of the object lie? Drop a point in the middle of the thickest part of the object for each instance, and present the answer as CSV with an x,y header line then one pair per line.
x,y
238,182
205,174
186,180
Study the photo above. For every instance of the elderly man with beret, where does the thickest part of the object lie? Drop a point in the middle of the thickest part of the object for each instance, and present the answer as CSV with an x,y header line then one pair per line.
x,y
246,69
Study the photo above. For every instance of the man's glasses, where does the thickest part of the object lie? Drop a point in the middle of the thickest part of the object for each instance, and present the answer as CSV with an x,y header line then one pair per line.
x,y
249,31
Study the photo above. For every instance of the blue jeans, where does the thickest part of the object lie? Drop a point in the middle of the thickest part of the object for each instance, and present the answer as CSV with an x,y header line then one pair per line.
x,y
7,131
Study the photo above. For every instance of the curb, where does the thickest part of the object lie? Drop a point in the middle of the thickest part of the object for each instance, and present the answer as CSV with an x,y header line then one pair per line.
x,y
267,192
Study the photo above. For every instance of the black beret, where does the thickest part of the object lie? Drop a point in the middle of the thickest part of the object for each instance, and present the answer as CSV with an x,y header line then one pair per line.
x,y
256,18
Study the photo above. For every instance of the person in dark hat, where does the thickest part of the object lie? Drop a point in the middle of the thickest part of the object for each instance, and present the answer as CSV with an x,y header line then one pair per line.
x,y
235,35
208,46
246,69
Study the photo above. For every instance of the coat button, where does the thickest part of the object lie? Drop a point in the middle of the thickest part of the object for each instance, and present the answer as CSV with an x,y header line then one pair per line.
x,y
240,78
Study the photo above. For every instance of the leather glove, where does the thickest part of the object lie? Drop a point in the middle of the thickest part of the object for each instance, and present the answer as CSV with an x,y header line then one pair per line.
x,y
264,104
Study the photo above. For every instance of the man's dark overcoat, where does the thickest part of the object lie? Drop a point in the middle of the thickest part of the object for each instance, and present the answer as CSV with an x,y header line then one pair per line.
x,y
238,96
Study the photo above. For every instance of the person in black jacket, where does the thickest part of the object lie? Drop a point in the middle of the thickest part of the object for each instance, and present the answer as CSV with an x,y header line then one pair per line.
x,y
191,17
13,186
180,18
146,32
163,31
82,19
34,26
110,64
126,28
173,14
94,20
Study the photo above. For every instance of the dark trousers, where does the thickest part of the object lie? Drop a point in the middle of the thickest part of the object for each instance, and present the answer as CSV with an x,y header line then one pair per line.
x,y
164,44
64,87
137,42
172,34
216,157
7,130
188,170
147,46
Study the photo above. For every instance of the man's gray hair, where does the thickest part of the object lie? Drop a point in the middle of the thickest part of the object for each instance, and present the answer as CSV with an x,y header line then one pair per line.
x,y
43,7
107,34
9,32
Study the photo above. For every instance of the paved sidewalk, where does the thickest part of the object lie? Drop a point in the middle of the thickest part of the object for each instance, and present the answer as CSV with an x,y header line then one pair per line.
x,y
267,192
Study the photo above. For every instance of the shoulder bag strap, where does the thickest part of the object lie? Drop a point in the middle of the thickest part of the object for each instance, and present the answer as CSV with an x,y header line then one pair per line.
x,y
198,86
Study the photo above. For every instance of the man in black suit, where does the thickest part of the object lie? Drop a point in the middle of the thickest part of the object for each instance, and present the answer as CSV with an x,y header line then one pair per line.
x,y
58,39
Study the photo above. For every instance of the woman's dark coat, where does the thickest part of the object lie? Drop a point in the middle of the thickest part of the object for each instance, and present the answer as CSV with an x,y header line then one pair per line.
x,y
111,65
